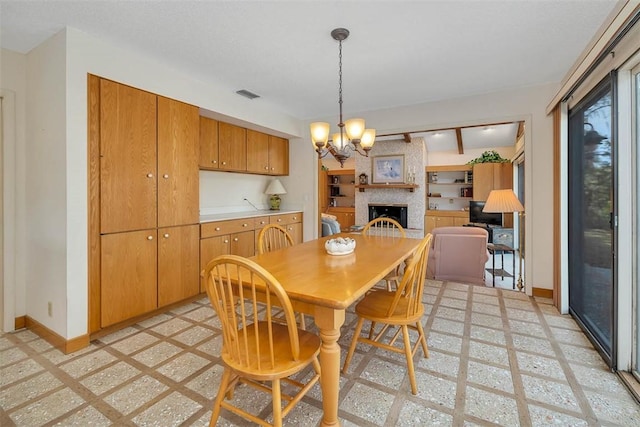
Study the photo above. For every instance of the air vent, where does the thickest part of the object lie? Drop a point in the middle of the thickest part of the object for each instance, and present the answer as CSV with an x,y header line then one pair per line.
x,y
247,94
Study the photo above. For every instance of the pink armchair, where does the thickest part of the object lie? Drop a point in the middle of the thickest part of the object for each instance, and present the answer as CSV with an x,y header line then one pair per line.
x,y
458,254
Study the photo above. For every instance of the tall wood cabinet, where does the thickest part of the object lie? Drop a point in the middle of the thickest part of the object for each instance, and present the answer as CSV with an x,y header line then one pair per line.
x,y
145,159
340,196
491,176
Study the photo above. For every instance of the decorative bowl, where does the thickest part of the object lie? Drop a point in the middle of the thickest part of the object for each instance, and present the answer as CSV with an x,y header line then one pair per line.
x,y
340,246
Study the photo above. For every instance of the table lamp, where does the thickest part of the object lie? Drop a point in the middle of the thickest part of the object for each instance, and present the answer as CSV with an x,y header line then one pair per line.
x,y
505,201
274,189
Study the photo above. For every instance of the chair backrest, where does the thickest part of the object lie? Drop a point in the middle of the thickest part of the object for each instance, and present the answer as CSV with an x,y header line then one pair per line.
x,y
410,289
383,226
273,237
245,296
459,254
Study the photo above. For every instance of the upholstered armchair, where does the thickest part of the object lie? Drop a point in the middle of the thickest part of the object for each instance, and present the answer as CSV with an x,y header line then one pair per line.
x,y
458,254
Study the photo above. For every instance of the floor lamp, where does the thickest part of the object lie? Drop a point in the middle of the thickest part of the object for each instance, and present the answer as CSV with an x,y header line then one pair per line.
x,y
505,201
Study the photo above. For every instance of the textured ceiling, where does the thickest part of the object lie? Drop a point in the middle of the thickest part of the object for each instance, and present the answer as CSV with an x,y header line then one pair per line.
x,y
399,52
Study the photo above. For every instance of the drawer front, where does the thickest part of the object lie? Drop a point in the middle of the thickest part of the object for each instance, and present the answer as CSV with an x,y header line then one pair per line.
x,y
260,222
286,218
219,228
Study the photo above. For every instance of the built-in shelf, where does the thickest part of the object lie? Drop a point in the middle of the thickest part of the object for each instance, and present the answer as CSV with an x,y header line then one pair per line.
x,y
410,187
450,197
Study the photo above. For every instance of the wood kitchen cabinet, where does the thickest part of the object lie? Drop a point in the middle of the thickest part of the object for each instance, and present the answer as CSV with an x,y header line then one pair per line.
x,y
178,266
232,147
128,276
144,202
267,154
345,216
178,153
127,158
208,143
257,152
491,176
444,219
278,155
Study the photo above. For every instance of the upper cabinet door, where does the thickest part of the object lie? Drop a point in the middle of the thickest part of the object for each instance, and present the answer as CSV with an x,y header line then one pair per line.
x,y
257,152
127,158
208,143
278,156
178,154
232,147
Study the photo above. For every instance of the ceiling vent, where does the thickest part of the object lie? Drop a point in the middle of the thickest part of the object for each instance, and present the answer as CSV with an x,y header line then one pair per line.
x,y
247,94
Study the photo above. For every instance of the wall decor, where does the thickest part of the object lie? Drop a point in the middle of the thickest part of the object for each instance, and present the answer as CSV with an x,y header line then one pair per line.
x,y
387,169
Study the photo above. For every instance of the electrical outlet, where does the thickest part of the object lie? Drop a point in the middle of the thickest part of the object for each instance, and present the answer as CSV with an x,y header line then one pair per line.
x,y
50,308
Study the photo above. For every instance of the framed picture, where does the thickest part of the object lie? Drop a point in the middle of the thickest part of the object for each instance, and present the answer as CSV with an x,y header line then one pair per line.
x,y
387,169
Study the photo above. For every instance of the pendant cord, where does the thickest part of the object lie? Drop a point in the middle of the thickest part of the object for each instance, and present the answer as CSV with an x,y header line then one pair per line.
x,y
340,124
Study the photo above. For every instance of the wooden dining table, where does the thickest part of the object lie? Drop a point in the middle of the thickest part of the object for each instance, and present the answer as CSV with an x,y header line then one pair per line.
x,y
326,285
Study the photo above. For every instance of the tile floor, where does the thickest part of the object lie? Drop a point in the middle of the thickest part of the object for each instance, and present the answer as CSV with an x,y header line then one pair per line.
x,y
497,358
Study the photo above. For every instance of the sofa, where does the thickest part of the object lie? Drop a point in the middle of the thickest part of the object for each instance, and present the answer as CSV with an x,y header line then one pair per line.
x,y
330,225
458,254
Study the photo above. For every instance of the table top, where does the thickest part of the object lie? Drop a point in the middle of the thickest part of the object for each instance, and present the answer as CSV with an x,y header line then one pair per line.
x,y
310,275
498,247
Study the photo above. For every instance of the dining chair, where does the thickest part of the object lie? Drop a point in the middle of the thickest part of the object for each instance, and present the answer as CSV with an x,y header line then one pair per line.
x,y
257,350
273,237
384,226
401,308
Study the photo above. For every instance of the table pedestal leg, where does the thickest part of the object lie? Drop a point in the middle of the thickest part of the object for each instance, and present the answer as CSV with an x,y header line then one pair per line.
x,y
329,322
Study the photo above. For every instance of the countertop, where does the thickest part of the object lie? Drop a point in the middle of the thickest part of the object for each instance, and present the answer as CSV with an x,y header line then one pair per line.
x,y
245,214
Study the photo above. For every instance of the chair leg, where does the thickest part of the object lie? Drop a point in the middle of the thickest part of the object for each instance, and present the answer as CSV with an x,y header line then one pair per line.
x,y
407,351
221,393
423,339
303,322
352,347
277,403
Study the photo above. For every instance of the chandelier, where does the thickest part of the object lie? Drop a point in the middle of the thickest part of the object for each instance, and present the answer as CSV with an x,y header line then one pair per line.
x,y
352,135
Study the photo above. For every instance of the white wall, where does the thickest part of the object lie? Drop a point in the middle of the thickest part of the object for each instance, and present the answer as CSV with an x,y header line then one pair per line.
x,y
526,104
46,186
13,88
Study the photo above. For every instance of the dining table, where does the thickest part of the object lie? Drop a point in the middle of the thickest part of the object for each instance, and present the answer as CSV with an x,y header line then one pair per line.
x,y
324,286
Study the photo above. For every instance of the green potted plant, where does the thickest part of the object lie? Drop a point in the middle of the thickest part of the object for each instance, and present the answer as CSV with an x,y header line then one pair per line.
x,y
490,156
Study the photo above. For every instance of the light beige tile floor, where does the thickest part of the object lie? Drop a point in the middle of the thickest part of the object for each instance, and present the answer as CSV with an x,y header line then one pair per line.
x,y
497,358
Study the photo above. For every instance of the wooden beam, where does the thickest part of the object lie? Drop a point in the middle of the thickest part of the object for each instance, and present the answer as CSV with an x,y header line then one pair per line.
x,y
407,137
520,130
401,134
459,138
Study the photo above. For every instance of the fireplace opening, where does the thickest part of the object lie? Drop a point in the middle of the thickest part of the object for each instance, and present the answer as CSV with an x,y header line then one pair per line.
x,y
394,211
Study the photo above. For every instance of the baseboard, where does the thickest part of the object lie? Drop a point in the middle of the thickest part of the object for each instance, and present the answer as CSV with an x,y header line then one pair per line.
x,y
543,293
20,322
61,343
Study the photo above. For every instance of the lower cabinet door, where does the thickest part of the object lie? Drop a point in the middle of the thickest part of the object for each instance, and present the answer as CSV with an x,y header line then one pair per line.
x,y
243,244
128,276
295,229
178,263
211,248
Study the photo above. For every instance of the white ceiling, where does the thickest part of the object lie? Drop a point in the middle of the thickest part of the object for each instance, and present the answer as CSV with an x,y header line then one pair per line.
x,y
399,52
476,137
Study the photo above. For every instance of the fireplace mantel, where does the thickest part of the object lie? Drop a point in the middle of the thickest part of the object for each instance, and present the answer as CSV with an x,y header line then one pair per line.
x,y
410,187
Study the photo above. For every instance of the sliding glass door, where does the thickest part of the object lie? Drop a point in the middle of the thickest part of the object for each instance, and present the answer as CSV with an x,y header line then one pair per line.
x,y
636,290
591,216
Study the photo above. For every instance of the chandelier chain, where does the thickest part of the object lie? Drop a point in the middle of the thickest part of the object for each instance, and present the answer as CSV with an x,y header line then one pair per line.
x,y
341,124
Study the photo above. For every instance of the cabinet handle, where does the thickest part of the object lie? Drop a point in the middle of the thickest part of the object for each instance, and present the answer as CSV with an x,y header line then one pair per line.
x,y
217,228
149,175
266,168
273,169
149,237
165,176
214,161
166,235
262,222
295,217
224,163
235,239
279,219
226,240
244,225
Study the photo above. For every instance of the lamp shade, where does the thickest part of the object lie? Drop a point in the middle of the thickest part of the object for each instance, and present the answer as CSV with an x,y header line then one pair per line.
x,y
275,187
354,128
368,138
319,134
501,201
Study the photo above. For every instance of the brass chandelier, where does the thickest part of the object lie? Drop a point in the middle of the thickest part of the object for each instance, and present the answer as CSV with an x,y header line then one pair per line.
x,y
352,135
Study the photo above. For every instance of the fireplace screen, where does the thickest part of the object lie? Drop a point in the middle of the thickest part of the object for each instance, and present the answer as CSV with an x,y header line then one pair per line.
x,y
397,212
